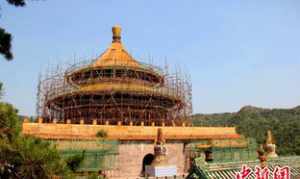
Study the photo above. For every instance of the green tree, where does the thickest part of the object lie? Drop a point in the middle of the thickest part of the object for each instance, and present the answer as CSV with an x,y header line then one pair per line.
x,y
255,122
5,44
30,158
95,176
25,157
101,134
5,37
73,162
1,90
17,2
9,121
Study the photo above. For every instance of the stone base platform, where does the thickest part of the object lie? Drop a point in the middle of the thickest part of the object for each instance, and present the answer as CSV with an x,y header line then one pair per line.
x,y
161,171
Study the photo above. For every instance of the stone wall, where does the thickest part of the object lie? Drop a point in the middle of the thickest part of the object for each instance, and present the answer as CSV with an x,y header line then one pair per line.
x,y
135,142
129,162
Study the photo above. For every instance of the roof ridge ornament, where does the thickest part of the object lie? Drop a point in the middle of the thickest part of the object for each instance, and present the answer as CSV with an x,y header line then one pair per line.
x,y
116,30
269,139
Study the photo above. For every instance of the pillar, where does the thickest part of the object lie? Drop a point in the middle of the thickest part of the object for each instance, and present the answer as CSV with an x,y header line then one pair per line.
x,y
173,124
81,121
40,120
152,123
119,123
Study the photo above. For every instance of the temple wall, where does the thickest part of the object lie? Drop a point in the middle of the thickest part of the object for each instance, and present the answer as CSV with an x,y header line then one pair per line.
x,y
135,142
121,132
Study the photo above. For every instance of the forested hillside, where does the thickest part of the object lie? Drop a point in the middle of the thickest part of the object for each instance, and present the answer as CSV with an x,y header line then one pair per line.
x,y
254,122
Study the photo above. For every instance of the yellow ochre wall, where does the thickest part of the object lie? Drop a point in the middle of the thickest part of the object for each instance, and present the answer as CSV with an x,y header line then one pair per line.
x,y
115,132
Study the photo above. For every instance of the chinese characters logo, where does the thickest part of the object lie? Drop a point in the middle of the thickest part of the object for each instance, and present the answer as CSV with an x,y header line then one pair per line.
x,y
264,173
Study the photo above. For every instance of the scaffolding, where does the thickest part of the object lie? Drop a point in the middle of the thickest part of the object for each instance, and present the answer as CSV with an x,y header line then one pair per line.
x,y
115,88
136,95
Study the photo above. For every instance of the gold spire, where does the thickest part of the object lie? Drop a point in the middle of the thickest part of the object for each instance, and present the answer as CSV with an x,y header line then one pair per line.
x,y
160,150
160,138
116,55
116,30
269,137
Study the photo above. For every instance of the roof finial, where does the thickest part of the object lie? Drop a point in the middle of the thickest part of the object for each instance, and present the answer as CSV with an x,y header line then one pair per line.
x,y
269,139
116,30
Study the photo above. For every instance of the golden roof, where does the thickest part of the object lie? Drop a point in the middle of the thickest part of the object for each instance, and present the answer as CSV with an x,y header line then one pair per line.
x,y
116,55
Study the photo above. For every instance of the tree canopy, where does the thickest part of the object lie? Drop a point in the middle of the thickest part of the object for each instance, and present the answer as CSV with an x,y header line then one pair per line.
x,y
6,37
255,122
1,90
16,2
22,156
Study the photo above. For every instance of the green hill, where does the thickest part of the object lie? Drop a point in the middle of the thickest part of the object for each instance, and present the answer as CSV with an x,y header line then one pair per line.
x,y
254,122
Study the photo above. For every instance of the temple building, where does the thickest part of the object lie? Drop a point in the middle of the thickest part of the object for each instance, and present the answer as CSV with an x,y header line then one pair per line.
x,y
117,88
261,162
112,107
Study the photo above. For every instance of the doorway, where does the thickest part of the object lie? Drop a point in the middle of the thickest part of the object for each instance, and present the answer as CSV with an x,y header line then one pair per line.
x,y
147,160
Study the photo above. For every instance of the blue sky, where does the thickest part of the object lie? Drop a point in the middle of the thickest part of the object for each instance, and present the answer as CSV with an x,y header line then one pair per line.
x,y
237,52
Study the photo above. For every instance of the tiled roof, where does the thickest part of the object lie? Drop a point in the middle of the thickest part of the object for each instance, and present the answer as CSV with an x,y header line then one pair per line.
x,y
229,170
